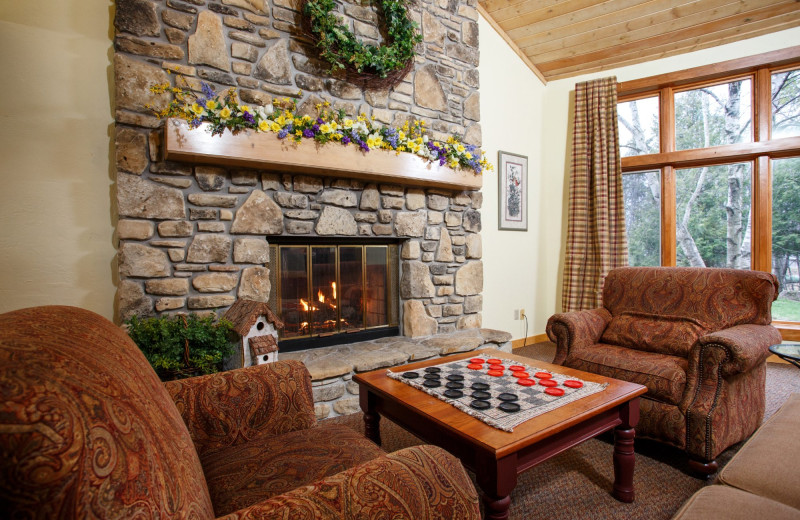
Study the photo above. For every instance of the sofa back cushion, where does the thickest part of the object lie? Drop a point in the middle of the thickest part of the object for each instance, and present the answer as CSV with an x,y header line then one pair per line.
x,y
666,309
88,428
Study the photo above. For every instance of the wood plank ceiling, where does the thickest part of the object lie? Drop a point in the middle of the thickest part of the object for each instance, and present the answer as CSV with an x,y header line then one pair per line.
x,y
564,38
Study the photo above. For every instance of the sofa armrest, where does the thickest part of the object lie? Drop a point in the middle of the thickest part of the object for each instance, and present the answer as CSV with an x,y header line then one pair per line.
x,y
576,330
746,346
418,482
229,408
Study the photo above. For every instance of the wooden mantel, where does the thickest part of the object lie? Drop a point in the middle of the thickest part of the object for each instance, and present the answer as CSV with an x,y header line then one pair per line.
x,y
265,151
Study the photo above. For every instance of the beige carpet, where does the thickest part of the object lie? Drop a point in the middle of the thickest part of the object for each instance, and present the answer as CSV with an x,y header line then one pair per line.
x,y
577,483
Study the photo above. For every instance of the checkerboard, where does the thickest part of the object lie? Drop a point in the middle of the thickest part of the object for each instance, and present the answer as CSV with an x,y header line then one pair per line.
x,y
532,400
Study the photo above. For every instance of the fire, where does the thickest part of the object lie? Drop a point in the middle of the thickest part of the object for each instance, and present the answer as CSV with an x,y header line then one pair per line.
x,y
304,304
333,286
320,296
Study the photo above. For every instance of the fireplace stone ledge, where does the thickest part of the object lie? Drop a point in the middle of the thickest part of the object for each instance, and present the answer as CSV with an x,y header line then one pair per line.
x,y
332,368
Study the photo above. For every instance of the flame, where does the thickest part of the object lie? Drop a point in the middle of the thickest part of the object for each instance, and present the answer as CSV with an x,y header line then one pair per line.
x,y
320,296
304,304
333,286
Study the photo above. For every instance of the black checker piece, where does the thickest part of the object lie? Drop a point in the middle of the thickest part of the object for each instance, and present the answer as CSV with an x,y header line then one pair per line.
x,y
479,404
432,383
433,370
410,375
480,386
508,407
432,376
455,385
505,396
480,394
453,394
455,377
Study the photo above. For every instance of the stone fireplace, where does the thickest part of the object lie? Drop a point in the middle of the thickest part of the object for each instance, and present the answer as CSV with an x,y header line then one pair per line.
x,y
194,237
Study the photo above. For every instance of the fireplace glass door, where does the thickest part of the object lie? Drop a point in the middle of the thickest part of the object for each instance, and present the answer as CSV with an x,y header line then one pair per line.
x,y
325,290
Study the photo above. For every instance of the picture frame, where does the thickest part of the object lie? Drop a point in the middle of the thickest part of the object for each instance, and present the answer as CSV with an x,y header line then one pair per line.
x,y
512,191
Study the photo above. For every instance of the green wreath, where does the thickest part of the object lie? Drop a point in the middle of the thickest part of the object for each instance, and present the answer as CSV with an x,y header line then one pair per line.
x,y
343,51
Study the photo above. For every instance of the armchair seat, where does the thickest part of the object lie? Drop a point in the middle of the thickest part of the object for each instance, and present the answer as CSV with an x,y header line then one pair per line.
x,y
245,474
697,338
663,375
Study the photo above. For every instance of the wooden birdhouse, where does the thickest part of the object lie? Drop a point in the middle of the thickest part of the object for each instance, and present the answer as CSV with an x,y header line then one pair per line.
x,y
257,327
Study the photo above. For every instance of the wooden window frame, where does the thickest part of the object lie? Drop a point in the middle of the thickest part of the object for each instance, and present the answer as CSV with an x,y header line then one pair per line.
x,y
759,152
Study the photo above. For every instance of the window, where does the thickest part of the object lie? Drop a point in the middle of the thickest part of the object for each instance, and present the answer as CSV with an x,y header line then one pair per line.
x,y
711,169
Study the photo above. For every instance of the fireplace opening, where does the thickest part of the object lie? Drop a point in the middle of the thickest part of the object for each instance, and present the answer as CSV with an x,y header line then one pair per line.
x,y
333,293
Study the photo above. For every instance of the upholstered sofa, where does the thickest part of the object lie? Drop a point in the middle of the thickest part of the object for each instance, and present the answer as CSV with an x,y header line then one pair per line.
x,y
87,430
698,338
761,481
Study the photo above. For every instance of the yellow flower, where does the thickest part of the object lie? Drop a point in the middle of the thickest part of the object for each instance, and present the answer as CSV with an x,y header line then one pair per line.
x,y
348,123
453,163
225,113
275,127
211,104
297,121
325,128
334,125
401,135
307,118
197,109
327,103
371,142
281,121
289,115
437,144
245,109
298,133
460,148
468,156
263,125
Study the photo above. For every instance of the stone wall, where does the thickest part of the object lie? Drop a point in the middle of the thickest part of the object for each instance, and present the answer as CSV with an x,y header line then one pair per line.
x,y
194,238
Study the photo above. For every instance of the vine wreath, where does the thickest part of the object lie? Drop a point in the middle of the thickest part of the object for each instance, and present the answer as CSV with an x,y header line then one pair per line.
x,y
365,64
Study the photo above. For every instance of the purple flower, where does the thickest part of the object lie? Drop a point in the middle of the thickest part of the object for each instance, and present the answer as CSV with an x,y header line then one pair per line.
x,y
320,121
282,134
363,146
208,92
345,140
315,128
308,133
249,117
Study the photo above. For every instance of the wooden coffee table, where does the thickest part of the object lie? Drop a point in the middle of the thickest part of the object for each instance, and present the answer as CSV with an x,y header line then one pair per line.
x,y
497,457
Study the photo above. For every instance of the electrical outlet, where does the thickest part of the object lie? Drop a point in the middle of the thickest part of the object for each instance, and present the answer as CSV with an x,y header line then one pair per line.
x,y
516,314
522,314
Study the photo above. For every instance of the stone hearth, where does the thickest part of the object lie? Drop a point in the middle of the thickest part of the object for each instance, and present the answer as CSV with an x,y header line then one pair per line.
x,y
332,368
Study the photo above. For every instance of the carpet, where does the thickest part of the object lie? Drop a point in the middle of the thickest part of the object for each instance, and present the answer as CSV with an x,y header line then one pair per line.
x,y
577,483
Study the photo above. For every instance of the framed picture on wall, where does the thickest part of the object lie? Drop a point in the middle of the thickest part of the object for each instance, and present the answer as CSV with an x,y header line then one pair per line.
x,y
512,174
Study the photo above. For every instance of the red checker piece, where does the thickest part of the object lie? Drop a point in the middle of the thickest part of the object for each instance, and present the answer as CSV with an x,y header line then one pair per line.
x,y
496,367
526,382
475,366
548,382
543,375
517,368
494,361
477,360
522,375
554,391
572,383
495,373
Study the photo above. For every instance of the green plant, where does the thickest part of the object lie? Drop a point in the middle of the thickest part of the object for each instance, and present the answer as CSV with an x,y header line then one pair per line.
x,y
339,47
182,346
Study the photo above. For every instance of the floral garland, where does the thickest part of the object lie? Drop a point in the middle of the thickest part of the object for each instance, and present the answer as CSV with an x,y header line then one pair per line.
x,y
281,118
342,50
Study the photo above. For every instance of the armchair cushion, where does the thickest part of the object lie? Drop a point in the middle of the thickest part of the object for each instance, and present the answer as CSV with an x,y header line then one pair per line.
x,y
230,408
663,375
660,333
422,482
242,475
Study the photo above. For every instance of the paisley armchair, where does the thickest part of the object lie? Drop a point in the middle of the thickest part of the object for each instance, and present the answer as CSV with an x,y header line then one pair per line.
x,y
87,430
698,338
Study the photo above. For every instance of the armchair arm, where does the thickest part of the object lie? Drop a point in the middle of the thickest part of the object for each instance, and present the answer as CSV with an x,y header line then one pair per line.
x,y
575,330
746,346
418,482
229,408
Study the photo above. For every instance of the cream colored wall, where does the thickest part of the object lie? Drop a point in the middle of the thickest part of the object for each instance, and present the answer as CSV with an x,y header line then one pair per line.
x,y
56,236
555,160
511,115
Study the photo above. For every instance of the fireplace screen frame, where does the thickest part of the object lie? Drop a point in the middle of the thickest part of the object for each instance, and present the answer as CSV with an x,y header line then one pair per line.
x,y
314,338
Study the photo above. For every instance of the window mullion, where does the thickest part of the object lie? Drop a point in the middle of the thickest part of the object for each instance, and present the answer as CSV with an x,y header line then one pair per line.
x,y
668,217
762,215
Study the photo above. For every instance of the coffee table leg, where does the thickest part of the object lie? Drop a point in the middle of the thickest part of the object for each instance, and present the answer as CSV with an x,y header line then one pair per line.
x,y
497,480
624,455
372,419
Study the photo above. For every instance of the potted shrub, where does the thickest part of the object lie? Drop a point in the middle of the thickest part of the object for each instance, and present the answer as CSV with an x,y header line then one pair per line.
x,y
182,346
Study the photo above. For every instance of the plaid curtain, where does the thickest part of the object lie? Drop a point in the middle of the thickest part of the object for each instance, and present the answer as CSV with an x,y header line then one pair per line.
x,y
596,240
